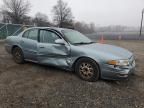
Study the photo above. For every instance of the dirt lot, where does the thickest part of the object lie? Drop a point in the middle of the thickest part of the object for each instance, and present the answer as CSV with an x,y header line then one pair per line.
x,y
35,86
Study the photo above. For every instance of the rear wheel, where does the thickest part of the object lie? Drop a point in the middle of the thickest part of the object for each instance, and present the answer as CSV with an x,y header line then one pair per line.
x,y
87,69
18,55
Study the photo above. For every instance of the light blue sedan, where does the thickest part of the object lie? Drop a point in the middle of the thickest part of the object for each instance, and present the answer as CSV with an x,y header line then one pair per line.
x,y
71,50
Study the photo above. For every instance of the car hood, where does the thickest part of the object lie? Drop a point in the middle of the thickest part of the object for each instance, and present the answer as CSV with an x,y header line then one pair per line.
x,y
107,51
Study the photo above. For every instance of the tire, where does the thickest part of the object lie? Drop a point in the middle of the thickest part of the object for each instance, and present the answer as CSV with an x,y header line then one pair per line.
x,y
87,69
18,55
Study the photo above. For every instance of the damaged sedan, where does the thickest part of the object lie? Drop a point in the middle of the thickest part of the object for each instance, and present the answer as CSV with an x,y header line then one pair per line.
x,y
71,50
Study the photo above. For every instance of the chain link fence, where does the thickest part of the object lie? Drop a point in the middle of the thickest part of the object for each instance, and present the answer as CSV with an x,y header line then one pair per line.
x,y
133,35
7,29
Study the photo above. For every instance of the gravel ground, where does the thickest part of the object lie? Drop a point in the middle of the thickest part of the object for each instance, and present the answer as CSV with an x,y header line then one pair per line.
x,y
35,86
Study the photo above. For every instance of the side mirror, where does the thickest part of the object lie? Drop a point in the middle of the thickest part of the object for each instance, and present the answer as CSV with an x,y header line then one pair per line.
x,y
60,41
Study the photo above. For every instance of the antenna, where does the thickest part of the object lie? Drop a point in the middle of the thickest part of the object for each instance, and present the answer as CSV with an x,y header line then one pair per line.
x,y
141,23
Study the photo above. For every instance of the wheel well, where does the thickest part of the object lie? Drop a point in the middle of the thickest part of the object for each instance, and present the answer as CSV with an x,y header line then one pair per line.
x,y
13,47
73,66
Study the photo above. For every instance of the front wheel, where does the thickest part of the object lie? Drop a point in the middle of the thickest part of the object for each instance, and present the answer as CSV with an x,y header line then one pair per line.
x,y
18,55
87,69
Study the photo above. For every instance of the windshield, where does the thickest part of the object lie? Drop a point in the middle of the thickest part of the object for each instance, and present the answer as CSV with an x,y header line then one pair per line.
x,y
75,37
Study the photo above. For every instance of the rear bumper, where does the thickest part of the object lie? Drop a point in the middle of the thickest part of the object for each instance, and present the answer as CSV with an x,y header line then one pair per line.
x,y
8,48
117,73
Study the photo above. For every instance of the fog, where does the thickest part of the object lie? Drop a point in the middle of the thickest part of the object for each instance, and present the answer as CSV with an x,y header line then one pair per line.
x,y
101,12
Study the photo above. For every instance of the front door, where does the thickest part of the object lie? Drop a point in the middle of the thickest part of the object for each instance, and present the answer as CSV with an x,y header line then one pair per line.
x,y
49,52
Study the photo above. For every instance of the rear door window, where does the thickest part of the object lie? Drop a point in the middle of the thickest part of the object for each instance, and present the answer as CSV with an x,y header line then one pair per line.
x,y
31,34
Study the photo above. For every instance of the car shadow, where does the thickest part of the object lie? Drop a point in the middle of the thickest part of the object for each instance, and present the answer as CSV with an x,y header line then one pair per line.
x,y
47,70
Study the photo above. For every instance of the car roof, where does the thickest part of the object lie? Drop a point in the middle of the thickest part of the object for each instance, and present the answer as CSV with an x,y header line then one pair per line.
x,y
52,28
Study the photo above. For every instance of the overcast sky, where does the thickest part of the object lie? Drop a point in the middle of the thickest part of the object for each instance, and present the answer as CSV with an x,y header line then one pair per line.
x,y
101,12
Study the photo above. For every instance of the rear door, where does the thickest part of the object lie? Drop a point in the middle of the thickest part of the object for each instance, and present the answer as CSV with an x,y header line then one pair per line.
x,y
29,44
49,52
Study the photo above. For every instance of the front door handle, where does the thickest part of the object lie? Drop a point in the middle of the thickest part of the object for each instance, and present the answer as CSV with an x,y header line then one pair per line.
x,y
41,47
22,41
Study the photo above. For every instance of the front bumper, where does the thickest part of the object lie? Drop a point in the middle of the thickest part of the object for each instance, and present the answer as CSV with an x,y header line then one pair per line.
x,y
117,73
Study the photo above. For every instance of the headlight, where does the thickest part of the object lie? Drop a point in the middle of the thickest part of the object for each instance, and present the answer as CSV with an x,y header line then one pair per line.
x,y
118,62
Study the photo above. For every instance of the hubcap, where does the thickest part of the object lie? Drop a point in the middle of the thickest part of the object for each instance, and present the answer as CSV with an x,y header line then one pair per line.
x,y
17,55
86,70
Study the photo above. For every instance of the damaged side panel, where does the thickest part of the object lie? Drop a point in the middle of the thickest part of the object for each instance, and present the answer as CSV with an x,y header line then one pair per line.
x,y
53,54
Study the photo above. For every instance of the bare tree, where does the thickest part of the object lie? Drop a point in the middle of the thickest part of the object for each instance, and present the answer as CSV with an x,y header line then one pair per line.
x,y
92,27
41,19
84,27
1,16
62,14
15,10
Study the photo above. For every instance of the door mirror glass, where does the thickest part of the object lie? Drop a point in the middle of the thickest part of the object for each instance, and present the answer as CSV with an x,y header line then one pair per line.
x,y
60,41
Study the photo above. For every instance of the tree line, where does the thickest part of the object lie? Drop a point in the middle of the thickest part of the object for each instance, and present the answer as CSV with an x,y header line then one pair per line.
x,y
16,12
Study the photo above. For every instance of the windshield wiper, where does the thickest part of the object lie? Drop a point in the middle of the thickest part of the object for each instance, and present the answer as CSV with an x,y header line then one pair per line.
x,y
84,43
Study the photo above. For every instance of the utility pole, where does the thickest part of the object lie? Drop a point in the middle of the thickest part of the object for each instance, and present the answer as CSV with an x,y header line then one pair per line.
x,y
141,23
